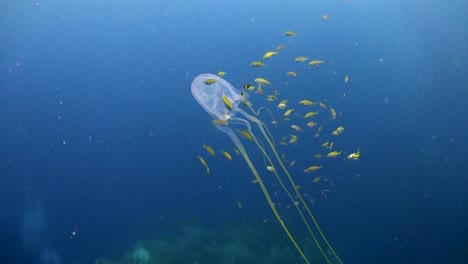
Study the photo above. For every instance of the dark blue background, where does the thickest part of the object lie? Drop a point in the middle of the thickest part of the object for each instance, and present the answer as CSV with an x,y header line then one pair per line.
x,y
98,126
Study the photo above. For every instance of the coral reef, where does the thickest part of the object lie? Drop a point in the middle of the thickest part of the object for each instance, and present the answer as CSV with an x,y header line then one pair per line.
x,y
246,242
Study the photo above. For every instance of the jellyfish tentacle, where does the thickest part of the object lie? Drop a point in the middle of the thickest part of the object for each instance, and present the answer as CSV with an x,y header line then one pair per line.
x,y
241,148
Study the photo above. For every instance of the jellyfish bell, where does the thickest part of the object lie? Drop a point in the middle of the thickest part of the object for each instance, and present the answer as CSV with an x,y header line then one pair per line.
x,y
210,96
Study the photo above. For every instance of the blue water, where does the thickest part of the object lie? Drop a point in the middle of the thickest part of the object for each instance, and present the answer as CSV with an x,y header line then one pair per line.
x,y
99,132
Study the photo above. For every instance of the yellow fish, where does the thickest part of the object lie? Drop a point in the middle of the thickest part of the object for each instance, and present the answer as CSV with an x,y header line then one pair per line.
x,y
315,62
346,79
338,131
311,114
300,59
236,151
280,47
220,122
296,128
249,87
271,168
210,81
226,155
292,74
354,156
317,179
268,54
209,150
290,33
318,156
260,89
312,168
246,134
282,104
333,154
311,124
203,162
333,112
257,64
271,97
322,105
306,102
293,139
227,103
287,113
262,81
221,73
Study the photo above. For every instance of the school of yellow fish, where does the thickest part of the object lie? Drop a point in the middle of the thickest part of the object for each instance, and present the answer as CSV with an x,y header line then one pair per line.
x,y
305,118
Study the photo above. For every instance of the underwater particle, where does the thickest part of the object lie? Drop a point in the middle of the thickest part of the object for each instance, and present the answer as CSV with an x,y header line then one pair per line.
x,y
325,17
346,79
280,47
315,62
269,54
324,193
209,81
239,204
270,168
290,33
257,64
